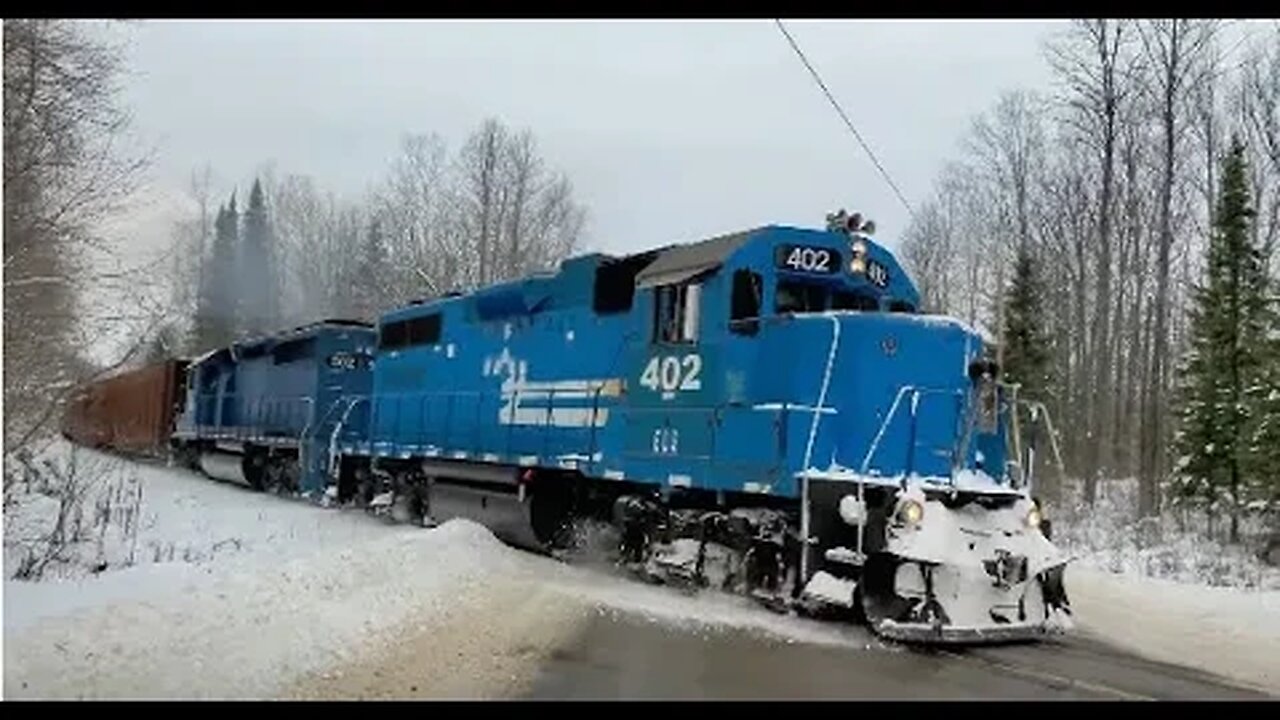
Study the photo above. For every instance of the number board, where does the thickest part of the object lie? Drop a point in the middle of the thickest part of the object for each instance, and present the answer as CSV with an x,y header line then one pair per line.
x,y
805,258
877,273
348,361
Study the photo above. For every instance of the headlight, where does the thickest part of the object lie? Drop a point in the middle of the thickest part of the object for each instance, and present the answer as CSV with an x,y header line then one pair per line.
x,y
859,248
858,265
910,512
1033,517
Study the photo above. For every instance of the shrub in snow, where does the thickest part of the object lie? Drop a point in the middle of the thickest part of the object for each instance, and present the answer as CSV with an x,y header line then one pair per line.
x,y
1183,545
63,509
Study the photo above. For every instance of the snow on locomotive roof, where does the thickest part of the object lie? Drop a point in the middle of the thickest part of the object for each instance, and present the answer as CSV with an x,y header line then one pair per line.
x,y
965,480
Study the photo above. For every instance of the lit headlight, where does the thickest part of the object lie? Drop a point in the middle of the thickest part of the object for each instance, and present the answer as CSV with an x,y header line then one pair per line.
x,y
858,265
910,512
1033,517
859,248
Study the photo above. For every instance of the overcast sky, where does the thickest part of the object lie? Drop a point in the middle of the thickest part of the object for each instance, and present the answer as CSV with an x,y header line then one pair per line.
x,y
670,131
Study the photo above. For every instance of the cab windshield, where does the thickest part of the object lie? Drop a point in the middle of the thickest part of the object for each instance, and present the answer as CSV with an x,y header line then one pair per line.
x,y
798,296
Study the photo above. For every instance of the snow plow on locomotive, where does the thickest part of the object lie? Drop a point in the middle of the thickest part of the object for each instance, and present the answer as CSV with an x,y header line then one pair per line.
x,y
765,412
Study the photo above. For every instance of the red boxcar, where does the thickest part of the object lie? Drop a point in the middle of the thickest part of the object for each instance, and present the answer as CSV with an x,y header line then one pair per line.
x,y
131,411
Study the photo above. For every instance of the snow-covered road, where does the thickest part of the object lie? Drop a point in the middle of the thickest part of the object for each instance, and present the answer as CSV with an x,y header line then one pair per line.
x,y
240,594
1226,631
244,595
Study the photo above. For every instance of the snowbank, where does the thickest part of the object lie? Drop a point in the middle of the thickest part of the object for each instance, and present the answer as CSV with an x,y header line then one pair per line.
x,y
178,630
299,601
236,594
1225,631
1167,590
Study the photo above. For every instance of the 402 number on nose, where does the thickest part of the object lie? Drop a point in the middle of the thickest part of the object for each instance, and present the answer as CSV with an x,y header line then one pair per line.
x,y
670,373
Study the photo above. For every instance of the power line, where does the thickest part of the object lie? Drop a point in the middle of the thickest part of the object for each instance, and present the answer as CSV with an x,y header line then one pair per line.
x,y
848,123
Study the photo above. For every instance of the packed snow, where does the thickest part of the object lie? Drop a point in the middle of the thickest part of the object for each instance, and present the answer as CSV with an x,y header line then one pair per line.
x,y
178,586
1229,632
1165,589
220,592
826,587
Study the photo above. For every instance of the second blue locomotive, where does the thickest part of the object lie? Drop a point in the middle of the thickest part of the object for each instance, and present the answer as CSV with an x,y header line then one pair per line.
x,y
765,411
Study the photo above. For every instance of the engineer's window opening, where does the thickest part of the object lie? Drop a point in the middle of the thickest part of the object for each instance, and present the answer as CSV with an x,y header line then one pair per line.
x,y
676,313
744,306
800,297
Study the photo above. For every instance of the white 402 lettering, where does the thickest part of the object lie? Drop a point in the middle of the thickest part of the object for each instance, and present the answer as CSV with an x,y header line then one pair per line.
x,y
809,259
668,373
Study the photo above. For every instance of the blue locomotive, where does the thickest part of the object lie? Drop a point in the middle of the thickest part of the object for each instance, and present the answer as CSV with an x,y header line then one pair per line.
x,y
765,412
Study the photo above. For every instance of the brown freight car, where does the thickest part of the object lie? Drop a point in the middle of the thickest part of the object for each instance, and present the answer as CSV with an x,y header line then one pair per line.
x,y
130,412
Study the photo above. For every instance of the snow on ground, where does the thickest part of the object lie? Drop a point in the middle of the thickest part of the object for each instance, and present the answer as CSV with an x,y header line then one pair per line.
x,y
1225,631
294,594
1165,589
235,594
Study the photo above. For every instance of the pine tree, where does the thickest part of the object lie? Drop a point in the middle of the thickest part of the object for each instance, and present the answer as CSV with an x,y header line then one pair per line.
x,y
1223,379
203,326
1025,355
1026,343
256,295
216,320
1263,468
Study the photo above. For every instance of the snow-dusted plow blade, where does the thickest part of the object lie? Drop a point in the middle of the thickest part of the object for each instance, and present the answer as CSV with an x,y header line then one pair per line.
x,y
965,573
919,634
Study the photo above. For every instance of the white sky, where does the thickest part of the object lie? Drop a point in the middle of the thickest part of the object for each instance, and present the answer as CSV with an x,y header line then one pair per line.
x,y
670,131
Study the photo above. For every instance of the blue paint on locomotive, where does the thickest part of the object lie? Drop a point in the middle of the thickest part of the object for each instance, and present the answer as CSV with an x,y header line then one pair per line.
x,y
289,390
732,364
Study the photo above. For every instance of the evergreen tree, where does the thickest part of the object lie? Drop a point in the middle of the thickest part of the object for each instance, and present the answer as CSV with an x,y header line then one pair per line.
x,y
1025,354
256,294
203,326
1263,396
216,327
1026,343
1223,379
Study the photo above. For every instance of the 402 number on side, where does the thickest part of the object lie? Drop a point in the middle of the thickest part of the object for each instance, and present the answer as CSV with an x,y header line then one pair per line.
x,y
670,373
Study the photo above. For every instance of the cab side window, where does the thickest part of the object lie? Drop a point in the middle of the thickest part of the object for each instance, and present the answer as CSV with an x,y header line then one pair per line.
x,y
676,311
745,303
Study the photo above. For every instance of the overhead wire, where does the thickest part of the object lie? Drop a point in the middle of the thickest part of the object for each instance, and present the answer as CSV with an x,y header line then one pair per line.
x,y
844,116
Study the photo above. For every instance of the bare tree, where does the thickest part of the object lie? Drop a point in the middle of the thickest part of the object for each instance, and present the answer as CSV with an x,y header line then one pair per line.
x,y
1257,102
64,172
414,213
518,216
926,252
1174,49
493,212
1091,62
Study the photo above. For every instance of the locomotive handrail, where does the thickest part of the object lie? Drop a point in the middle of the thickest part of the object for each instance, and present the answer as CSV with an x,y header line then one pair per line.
x,y
808,450
255,412
893,409
1038,407
884,425
337,428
